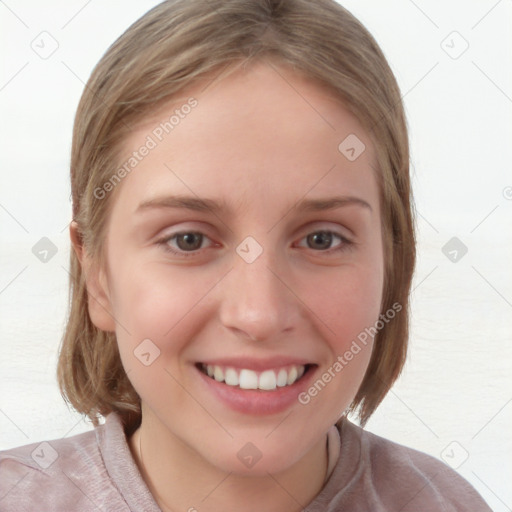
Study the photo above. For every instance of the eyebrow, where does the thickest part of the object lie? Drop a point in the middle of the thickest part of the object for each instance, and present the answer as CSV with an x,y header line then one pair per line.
x,y
211,205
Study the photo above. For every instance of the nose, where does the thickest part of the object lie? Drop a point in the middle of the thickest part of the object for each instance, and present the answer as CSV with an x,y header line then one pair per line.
x,y
256,301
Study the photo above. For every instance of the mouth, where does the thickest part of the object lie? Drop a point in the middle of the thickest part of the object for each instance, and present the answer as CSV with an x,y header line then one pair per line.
x,y
247,379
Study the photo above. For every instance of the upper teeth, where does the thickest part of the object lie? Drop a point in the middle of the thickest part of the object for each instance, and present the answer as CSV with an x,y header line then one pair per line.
x,y
249,379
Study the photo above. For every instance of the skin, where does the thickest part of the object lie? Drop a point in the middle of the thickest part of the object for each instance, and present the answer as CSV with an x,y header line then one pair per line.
x,y
260,140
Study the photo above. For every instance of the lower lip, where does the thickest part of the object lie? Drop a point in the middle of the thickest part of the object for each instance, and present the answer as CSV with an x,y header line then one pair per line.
x,y
258,402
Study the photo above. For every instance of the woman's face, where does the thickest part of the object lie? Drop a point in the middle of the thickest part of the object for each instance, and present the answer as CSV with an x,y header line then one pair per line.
x,y
245,242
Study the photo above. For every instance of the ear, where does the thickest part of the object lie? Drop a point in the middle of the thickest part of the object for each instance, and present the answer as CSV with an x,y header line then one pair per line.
x,y
99,304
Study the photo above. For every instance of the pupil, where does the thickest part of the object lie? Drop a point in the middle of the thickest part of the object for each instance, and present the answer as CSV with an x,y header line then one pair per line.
x,y
189,241
320,240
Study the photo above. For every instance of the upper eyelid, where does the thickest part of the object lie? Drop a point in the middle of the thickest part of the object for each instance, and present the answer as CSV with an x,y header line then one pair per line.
x,y
310,227
335,233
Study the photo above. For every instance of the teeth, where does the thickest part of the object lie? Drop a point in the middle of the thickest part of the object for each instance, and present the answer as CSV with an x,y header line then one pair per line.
x,y
248,379
231,377
282,378
218,374
267,380
292,375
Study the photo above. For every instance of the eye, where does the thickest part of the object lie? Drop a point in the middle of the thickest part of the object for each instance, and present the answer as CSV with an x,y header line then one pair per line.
x,y
189,241
325,241
184,242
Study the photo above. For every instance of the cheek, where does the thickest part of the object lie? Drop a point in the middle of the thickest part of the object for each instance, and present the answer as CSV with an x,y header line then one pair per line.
x,y
152,300
347,302
347,305
155,302
156,310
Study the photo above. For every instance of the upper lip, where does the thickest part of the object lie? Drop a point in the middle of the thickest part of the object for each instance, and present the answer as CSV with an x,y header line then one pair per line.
x,y
256,364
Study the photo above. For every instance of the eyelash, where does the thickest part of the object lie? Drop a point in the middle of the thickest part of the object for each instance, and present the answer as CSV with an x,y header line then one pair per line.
x,y
345,243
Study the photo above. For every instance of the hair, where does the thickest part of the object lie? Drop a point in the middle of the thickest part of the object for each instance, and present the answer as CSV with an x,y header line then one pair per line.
x,y
171,47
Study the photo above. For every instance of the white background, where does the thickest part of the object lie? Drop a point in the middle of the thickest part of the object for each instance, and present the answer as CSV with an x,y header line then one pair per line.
x,y
456,387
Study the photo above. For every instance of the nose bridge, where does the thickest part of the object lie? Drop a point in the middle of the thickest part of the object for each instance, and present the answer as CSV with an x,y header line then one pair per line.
x,y
254,300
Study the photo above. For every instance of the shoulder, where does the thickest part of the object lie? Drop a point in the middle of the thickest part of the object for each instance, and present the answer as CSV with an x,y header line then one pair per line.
x,y
398,475
61,474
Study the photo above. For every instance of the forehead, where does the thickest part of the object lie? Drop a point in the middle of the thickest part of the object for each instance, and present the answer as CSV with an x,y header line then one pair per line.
x,y
261,133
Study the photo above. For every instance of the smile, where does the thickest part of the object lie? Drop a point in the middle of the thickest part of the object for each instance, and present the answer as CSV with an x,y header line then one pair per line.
x,y
244,378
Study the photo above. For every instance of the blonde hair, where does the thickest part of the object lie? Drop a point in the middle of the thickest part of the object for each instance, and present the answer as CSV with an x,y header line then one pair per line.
x,y
170,47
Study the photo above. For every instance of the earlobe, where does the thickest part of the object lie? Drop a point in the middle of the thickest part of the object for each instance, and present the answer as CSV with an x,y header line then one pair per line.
x,y
99,304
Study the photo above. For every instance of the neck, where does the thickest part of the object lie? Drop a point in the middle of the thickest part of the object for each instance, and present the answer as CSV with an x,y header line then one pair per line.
x,y
180,479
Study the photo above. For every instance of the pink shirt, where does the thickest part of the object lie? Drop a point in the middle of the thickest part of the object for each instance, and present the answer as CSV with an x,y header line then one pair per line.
x,y
95,471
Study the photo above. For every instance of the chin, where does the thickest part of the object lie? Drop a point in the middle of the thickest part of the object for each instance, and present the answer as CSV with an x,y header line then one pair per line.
x,y
249,454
